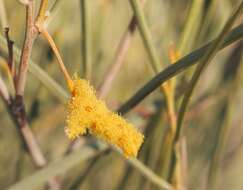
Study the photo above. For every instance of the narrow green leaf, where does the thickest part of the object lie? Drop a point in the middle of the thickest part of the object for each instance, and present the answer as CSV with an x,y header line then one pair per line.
x,y
176,68
146,35
209,54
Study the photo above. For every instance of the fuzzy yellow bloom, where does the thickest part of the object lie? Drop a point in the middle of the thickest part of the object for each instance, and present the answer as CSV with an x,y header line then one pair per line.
x,y
86,113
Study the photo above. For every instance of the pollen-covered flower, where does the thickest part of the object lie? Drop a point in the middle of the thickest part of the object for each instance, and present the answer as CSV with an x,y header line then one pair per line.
x,y
86,113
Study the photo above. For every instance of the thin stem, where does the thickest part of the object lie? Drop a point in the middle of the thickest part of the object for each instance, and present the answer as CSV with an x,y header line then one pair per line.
x,y
33,146
179,178
171,71
41,26
167,146
11,64
119,57
191,26
30,36
59,58
86,38
208,19
42,9
149,174
146,36
166,154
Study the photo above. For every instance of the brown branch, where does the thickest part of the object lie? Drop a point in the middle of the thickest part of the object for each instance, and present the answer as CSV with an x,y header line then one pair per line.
x,y
119,57
53,46
30,36
11,64
10,48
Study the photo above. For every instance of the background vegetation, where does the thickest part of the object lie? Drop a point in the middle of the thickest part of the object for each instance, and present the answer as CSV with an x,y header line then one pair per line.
x,y
177,27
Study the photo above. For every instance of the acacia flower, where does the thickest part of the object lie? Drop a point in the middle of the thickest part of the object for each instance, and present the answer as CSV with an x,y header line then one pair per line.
x,y
86,113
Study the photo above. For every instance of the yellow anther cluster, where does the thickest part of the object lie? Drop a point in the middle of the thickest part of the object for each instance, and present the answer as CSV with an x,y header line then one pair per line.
x,y
87,113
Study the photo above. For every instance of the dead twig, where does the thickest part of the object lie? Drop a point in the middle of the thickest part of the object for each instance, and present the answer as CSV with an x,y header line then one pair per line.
x,y
119,57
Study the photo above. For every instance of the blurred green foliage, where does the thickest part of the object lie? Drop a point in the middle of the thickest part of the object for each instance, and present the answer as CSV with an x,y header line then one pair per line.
x,y
109,20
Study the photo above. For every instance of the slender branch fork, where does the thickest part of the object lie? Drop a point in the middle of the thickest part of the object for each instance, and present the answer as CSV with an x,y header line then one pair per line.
x,y
17,104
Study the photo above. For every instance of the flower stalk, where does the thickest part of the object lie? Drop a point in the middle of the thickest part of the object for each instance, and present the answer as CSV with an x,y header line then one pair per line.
x,y
86,113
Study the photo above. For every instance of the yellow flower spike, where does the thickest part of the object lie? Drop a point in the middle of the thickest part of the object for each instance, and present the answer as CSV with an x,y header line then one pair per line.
x,y
86,113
